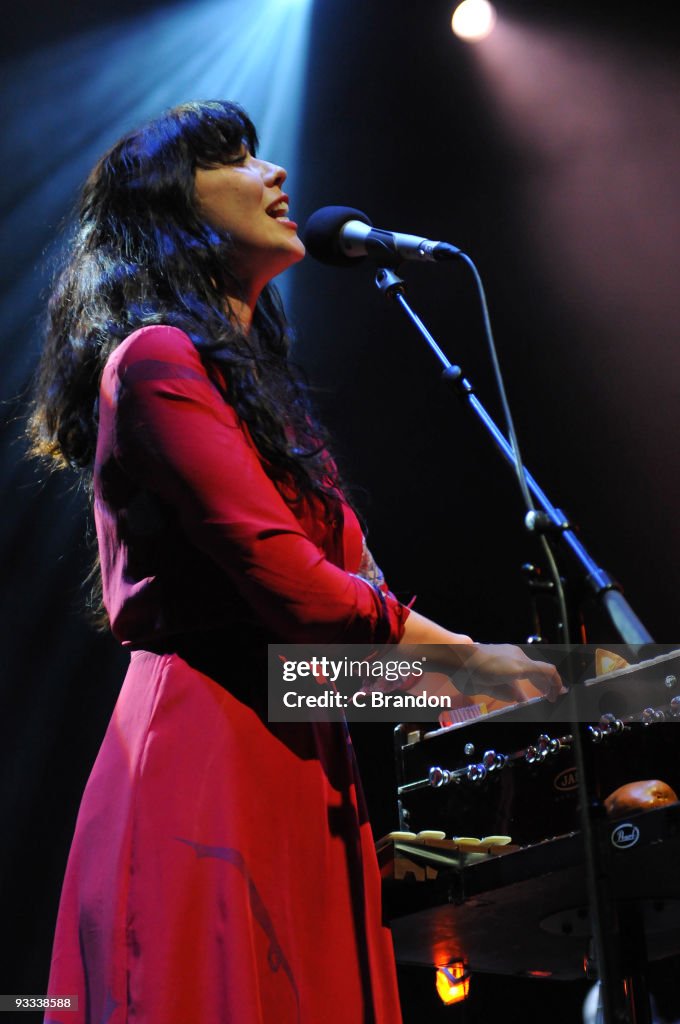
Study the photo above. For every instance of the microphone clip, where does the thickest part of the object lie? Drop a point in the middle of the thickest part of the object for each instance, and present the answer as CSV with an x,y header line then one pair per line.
x,y
388,282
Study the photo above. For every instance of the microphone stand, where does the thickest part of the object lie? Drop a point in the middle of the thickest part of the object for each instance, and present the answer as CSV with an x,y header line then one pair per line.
x,y
617,1002
551,520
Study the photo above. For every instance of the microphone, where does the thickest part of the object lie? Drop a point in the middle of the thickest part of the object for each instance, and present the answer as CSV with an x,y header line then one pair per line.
x,y
341,236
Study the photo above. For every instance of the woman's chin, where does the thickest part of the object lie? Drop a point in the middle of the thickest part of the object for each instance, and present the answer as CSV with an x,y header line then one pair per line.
x,y
291,255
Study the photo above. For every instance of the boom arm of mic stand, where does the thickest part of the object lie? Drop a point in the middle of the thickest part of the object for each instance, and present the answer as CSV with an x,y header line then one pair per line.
x,y
629,627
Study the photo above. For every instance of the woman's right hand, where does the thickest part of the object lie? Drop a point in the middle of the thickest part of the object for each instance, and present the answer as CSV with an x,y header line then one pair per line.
x,y
500,670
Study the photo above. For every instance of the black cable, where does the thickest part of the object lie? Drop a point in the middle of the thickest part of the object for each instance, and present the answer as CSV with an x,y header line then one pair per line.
x,y
514,443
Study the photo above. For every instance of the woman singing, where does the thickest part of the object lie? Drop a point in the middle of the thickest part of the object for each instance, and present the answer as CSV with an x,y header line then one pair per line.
x,y
222,869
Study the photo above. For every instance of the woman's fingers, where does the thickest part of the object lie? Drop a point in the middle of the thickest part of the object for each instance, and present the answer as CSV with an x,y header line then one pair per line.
x,y
506,669
548,680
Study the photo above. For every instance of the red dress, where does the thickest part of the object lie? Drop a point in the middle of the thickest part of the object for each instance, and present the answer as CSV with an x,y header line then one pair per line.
x,y
222,869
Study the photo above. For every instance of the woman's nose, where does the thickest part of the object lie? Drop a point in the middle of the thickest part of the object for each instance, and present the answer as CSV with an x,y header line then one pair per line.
x,y
273,174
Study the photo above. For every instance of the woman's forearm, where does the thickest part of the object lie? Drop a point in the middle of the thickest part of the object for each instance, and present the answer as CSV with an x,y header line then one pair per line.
x,y
419,630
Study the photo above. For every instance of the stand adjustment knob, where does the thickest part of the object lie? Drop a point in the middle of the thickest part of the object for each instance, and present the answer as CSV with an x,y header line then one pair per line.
x,y
493,760
438,777
609,723
476,773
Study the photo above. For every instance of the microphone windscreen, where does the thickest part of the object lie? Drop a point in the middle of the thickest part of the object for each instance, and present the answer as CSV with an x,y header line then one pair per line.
x,y
321,234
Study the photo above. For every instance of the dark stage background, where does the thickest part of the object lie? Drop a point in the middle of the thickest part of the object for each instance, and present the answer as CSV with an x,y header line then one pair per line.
x,y
551,158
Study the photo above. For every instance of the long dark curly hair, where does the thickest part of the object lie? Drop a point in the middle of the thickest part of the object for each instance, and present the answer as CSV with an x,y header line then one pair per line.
x,y
142,254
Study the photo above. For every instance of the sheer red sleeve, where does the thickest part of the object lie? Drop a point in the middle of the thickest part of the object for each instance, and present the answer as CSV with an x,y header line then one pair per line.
x,y
175,434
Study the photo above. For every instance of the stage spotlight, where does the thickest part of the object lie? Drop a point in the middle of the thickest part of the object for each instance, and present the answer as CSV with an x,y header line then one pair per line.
x,y
113,77
473,20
